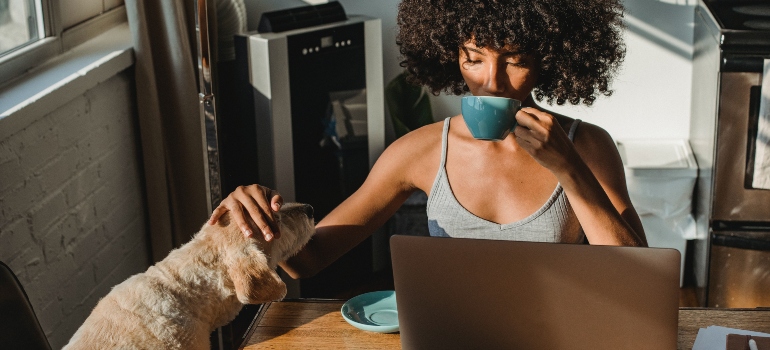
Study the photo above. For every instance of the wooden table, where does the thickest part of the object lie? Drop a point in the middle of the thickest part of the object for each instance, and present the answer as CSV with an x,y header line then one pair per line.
x,y
318,324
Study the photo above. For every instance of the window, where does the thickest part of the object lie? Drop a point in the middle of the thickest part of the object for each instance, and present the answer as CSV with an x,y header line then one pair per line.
x,y
34,31
20,24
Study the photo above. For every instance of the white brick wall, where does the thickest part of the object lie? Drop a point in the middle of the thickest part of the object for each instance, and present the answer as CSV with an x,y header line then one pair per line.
x,y
72,213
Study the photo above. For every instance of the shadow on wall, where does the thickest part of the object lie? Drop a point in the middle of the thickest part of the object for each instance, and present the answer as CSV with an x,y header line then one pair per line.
x,y
667,23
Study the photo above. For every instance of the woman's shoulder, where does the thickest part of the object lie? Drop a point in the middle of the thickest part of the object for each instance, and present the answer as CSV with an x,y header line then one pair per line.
x,y
590,140
586,134
420,140
597,149
416,155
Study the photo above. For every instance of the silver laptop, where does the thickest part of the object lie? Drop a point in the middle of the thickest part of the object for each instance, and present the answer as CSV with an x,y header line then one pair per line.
x,y
456,293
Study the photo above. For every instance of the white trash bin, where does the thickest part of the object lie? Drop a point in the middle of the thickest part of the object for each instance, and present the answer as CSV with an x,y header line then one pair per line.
x,y
661,175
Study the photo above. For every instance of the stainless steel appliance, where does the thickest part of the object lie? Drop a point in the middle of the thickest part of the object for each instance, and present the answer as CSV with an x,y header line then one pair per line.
x,y
732,253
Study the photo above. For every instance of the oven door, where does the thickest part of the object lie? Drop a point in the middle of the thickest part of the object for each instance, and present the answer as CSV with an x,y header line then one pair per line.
x,y
734,199
739,275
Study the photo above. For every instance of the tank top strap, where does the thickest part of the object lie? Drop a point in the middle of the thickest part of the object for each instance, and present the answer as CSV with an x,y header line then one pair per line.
x,y
572,129
444,137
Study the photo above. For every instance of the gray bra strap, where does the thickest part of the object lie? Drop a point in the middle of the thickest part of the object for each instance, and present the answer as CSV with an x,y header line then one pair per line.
x,y
444,137
572,129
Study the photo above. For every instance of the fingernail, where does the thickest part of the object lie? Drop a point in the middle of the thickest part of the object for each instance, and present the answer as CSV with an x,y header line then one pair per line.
x,y
248,233
268,236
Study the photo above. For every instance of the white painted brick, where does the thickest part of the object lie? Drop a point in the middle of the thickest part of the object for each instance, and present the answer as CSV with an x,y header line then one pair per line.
x,y
106,107
106,260
17,201
15,236
50,317
83,184
7,152
82,251
71,198
42,292
127,268
73,125
54,241
100,142
29,263
74,290
36,147
10,174
85,218
56,173
123,271
106,228
63,331
48,211
119,220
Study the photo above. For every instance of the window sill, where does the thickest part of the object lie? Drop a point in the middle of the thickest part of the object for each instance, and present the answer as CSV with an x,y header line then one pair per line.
x,y
48,87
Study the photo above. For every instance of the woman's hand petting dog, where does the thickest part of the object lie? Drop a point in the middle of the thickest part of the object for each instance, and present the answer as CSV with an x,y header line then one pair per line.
x,y
260,202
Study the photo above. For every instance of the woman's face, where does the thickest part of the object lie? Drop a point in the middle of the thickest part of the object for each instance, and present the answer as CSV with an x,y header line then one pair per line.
x,y
505,73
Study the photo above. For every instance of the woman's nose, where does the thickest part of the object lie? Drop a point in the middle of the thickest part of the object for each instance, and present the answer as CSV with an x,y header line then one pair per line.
x,y
495,80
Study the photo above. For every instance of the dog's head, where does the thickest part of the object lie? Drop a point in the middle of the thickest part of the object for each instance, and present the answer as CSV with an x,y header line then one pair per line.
x,y
251,266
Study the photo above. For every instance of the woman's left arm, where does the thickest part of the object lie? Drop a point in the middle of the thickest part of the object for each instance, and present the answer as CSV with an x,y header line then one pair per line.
x,y
591,172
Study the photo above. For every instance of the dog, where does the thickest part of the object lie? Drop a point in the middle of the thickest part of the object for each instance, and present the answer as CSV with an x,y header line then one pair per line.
x,y
200,286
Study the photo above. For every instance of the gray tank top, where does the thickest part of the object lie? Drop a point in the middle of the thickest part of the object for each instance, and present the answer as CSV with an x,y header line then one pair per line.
x,y
555,221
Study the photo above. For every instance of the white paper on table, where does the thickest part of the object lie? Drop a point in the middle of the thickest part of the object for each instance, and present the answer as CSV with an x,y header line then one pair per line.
x,y
715,337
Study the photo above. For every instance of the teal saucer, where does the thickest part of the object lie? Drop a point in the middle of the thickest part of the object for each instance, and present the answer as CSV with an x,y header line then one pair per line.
x,y
374,312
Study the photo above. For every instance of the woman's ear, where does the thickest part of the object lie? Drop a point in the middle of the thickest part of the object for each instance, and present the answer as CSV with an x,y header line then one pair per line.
x,y
255,282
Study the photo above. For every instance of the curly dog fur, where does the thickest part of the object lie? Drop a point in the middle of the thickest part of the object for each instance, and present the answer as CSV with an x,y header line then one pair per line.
x,y
179,301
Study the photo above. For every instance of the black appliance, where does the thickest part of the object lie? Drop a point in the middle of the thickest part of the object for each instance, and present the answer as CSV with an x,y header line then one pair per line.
x,y
731,260
304,114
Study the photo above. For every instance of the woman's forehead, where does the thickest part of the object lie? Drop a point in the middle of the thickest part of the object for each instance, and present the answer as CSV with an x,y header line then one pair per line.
x,y
508,49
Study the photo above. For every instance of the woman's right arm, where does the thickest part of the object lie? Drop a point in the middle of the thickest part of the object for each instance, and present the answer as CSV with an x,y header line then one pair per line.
x,y
354,219
388,185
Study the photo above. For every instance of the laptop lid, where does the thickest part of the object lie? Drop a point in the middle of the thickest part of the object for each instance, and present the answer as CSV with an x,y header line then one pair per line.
x,y
458,293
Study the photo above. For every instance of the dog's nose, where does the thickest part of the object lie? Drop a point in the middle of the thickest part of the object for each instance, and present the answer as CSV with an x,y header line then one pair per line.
x,y
308,210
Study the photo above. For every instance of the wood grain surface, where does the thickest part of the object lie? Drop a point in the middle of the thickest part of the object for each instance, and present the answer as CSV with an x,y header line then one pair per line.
x,y
313,324
693,319
318,324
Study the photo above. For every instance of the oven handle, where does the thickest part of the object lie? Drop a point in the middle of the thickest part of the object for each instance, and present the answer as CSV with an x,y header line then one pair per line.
x,y
740,242
732,63
755,95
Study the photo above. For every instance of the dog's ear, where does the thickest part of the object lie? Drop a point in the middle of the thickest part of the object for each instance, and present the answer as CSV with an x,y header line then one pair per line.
x,y
255,282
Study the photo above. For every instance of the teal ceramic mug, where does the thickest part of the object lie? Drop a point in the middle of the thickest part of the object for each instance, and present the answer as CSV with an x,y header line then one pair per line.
x,y
489,117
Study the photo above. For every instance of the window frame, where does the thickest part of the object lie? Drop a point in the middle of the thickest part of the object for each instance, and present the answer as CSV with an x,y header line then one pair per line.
x,y
56,40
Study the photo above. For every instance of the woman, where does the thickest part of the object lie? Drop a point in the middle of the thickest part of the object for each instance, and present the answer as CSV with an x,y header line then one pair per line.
x,y
553,179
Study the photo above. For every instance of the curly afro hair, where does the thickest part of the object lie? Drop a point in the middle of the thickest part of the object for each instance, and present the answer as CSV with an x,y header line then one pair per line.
x,y
578,43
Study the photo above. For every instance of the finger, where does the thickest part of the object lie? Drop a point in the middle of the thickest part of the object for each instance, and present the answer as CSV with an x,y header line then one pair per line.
x,y
276,201
255,205
538,114
219,211
540,123
240,220
525,119
267,204
267,226
526,140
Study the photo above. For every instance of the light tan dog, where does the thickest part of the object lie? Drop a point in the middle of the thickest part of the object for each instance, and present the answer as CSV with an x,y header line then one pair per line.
x,y
179,301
